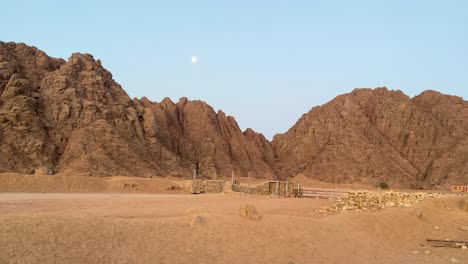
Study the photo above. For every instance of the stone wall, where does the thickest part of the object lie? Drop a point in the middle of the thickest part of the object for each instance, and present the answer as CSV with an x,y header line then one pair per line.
x,y
209,186
366,200
219,186
266,188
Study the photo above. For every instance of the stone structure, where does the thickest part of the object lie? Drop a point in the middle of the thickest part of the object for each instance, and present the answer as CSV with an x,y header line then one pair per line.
x,y
218,186
280,188
367,200
206,186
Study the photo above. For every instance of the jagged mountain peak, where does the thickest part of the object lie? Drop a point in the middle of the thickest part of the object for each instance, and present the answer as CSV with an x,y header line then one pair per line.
x,y
71,116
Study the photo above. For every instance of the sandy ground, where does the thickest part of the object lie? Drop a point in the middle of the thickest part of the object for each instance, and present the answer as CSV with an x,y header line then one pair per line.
x,y
12,182
152,228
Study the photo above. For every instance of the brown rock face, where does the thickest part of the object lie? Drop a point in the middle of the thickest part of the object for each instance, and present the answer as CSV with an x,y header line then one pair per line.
x,y
380,135
71,116
209,142
24,144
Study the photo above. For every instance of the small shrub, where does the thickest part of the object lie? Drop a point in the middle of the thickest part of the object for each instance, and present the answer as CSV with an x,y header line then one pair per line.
x,y
383,185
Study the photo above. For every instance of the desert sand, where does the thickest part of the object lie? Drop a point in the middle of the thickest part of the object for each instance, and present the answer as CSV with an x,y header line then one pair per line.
x,y
155,228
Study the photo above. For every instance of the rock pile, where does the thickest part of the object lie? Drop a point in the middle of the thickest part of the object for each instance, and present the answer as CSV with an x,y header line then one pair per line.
x,y
365,200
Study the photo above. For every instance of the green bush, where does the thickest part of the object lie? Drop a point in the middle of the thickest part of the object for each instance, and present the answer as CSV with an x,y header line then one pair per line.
x,y
383,185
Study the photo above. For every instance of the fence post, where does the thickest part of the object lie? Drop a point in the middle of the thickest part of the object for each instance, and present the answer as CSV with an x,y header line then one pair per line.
x,y
249,182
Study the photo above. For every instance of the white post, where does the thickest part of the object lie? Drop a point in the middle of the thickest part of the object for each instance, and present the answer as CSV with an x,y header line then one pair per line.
x,y
195,174
232,177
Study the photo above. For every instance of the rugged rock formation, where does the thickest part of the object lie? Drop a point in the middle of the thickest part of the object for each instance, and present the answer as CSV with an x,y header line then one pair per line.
x,y
71,116
211,143
373,135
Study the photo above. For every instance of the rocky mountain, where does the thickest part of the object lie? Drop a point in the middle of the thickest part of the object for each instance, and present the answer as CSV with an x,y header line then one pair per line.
x,y
71,117
373,135
209,142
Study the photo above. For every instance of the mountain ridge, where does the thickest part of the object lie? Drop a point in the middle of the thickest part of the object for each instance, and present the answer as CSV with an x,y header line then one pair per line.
x,y
72,117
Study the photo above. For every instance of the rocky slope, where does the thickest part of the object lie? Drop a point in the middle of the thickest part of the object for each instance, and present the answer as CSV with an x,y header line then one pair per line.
x,y
209,142
72,117
373,135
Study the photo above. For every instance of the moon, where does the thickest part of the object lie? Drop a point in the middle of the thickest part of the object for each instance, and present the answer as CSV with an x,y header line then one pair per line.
x,y
194,59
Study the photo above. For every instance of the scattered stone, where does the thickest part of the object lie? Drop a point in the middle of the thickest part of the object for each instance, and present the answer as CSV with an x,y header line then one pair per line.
x,y
366,200
436,227
454,260
196,210
464,247
248,211
43,171
174,188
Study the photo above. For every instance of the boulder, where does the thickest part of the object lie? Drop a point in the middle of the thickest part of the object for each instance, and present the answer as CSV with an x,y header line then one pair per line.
x,y
248,211
43,171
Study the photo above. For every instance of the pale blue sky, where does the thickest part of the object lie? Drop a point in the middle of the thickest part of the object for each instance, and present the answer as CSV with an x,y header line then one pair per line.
x,y
264,62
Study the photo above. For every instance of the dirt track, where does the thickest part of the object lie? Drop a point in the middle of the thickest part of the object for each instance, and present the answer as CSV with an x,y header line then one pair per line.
x,y
146,228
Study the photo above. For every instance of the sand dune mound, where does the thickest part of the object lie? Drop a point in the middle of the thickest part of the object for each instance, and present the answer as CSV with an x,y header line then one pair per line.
x,y
11,182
